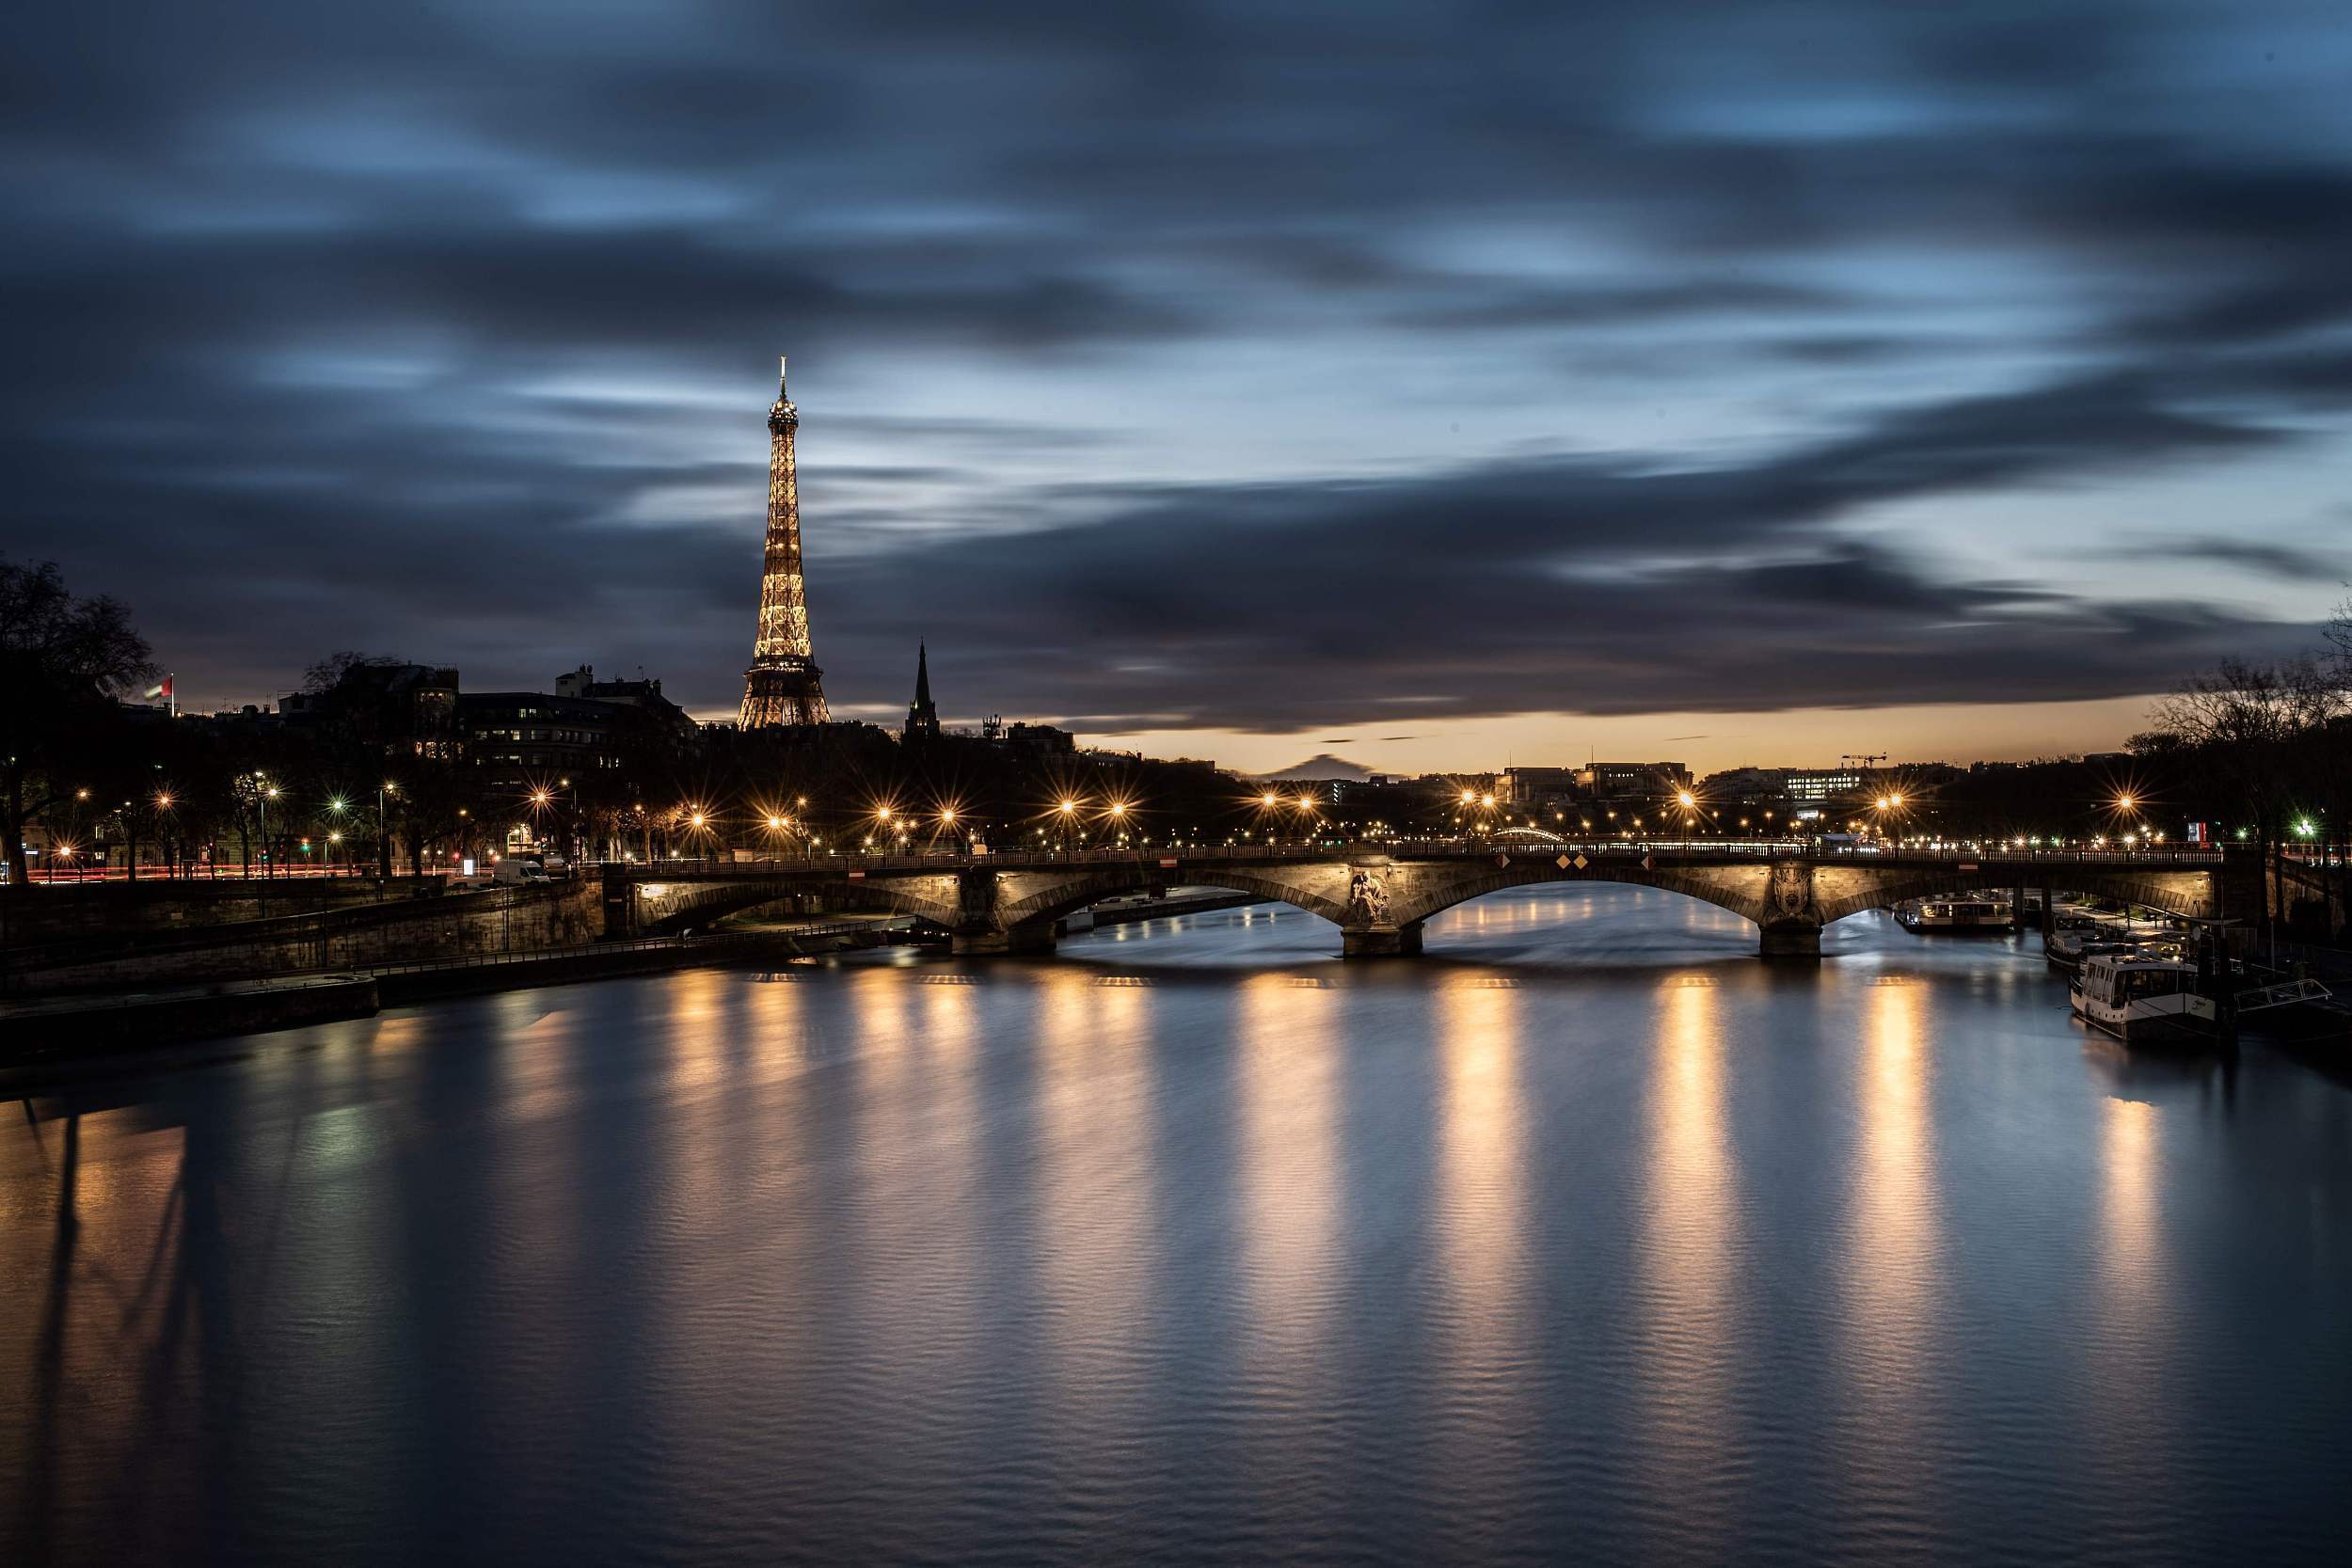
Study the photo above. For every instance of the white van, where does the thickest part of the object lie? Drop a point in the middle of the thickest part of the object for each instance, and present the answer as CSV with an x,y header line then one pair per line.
x,y
518,870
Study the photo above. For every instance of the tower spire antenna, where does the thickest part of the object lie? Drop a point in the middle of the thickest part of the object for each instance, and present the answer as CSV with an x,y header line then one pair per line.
x,y
783,362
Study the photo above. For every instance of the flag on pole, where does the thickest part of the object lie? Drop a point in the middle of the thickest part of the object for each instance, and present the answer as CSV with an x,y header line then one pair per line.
x,y
164,689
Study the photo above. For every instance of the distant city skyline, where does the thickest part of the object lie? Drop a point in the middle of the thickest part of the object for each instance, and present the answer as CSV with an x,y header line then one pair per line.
x,y
1945,383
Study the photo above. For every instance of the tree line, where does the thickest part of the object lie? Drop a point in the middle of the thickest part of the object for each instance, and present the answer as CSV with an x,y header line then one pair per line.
x,y
255,789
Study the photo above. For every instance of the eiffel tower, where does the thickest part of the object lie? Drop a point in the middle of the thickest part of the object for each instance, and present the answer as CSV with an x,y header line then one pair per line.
x,y
782,685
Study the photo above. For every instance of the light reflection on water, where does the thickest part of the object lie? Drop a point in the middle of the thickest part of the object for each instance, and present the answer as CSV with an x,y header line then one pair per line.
x,y
1687,1312
1587,1235
1893,1347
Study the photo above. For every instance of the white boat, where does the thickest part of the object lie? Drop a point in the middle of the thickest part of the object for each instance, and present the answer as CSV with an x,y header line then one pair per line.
x,y
2296,1009
2076,936
2068,949
2073,935
1956,914
2143,999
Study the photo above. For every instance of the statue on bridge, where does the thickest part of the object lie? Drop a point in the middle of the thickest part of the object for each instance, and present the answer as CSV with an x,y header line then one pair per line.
x,y
1367,898
1792,891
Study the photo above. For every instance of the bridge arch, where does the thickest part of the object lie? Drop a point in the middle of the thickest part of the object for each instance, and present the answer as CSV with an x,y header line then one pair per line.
x,y
683,905
1050,904
2184,893
1734,894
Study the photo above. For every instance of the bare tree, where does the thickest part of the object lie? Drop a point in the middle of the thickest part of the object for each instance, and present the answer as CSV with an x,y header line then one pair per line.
x,y
64,662
331,671
2262,731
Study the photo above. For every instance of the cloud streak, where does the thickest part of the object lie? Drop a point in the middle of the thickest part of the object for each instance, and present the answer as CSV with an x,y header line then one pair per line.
x,y
1192,369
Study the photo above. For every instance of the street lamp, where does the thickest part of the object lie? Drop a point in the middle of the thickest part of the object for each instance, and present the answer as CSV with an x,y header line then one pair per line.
x,y
1309,818
382,828
268,792
1689,804
163,842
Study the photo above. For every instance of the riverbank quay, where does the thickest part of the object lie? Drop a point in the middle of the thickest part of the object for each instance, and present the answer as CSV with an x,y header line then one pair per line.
x,y
36,1036
1125,911
328,939
65,1034
44,914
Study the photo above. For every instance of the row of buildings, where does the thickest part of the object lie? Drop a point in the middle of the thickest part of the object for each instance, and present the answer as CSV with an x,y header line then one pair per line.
x,y
1541,794
1801,794
509,739
580,728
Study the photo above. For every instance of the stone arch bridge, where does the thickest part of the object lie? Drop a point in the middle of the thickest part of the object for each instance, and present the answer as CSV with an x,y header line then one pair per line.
x,y
1380,896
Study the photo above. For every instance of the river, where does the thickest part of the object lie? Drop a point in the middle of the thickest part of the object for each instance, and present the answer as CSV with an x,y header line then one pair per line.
x,y
1585,1237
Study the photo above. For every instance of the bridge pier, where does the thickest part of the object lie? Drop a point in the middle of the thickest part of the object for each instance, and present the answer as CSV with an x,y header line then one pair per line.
x,y
1380,942
1038,938
1796,941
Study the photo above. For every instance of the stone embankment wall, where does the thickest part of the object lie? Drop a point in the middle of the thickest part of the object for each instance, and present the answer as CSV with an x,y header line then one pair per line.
x,y
453,927
49,912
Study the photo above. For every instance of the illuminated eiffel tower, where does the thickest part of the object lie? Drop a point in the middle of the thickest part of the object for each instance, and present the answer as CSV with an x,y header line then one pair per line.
x,y
783,687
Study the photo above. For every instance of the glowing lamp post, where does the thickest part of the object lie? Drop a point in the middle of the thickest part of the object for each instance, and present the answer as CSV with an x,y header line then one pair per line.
x,y
384,829
267,793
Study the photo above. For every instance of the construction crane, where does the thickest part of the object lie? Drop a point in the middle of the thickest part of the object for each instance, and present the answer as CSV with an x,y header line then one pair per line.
x,y
1867,759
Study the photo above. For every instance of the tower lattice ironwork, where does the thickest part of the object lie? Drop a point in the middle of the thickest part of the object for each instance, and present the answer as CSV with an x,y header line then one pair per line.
x,y
783,685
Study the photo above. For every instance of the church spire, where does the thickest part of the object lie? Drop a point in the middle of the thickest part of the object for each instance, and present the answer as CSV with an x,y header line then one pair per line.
x,y
922,718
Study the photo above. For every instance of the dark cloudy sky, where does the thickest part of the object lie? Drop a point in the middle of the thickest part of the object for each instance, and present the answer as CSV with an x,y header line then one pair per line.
x,y
1745,382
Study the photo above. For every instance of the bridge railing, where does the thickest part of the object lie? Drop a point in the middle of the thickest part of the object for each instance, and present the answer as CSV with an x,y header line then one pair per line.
x,y
1604,850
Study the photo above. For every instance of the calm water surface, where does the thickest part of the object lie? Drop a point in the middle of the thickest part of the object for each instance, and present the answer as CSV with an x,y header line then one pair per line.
x,y
1587,1237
